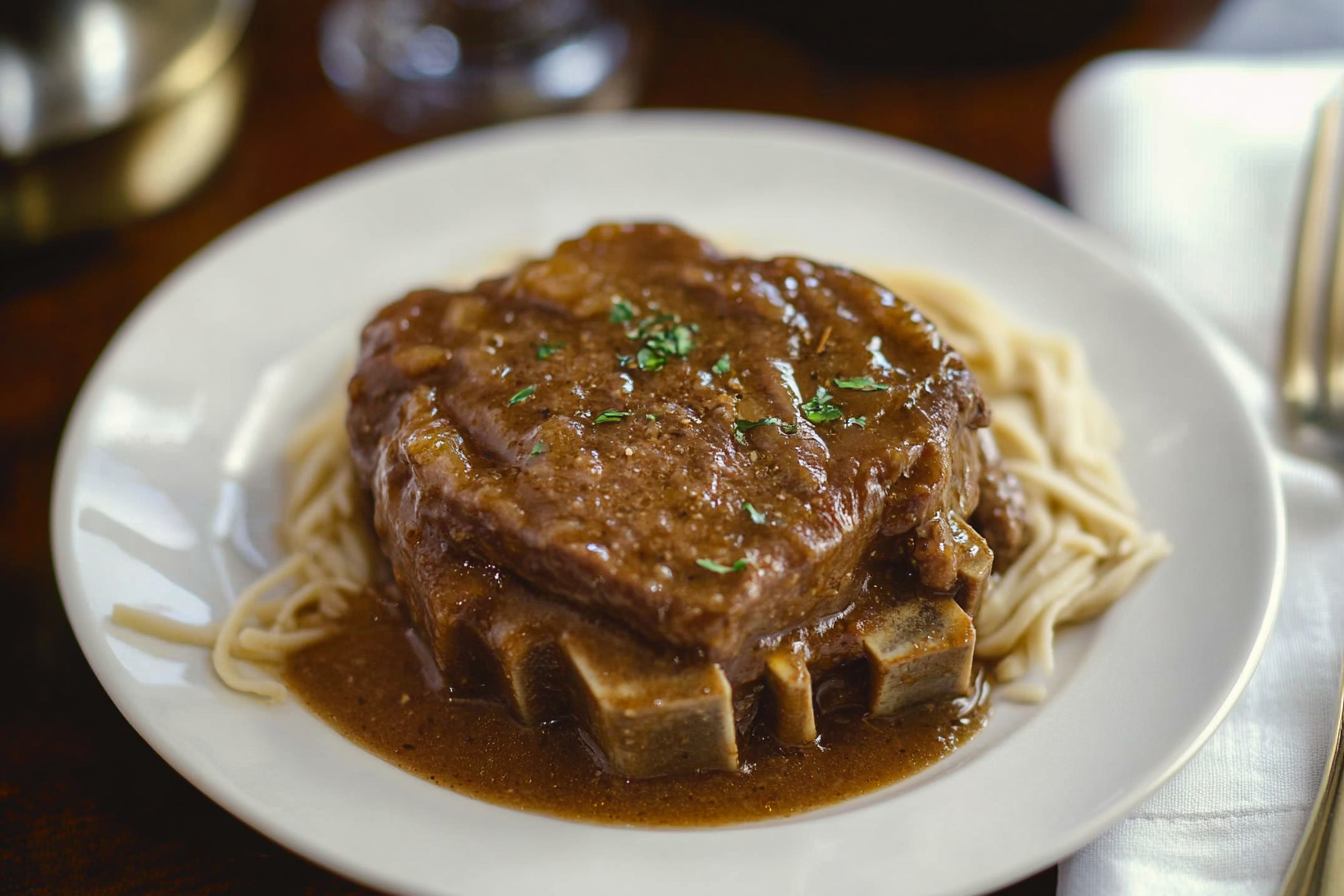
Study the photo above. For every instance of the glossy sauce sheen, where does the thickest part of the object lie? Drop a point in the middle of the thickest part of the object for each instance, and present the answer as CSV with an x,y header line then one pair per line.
x,y
373,684
596,422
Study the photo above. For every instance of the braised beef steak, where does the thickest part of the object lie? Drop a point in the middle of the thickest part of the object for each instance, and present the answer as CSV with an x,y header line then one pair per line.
x,y
696,446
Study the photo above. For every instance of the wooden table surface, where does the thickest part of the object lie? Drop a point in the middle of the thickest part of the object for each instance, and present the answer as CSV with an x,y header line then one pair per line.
x,y
85,805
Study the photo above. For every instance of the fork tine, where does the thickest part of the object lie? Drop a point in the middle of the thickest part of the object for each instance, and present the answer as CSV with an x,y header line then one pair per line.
x,y
1334,347
1301,380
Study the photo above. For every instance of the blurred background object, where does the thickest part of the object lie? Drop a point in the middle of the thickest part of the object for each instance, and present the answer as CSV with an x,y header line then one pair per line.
x,y
933,35
111,110
424,66
1274,26
71,69
129,173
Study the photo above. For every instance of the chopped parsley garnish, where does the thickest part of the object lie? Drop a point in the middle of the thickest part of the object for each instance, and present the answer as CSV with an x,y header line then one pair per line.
x,y
664,337
756,516
722,366
546,349
741,426
522,395
649,325
539,447
681,339
719,568
610,416
649,359
621,311
820,409
860,422
650,416
861,384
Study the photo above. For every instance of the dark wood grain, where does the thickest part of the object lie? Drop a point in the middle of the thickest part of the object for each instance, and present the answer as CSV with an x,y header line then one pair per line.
x,y
85,805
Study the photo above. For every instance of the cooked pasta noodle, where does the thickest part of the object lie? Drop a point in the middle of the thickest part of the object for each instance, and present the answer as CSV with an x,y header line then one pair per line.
x,y
1055,433
1058,437
297,603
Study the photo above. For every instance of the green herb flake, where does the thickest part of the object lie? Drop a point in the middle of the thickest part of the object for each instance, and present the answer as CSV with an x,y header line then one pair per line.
x,y
860,422
650,416
539,447
546,349
719,568
861,384
681,339
722,366
820,408
522,395
648,359
742,426
756,516
650,325
670,341
621,311
610,416
664,337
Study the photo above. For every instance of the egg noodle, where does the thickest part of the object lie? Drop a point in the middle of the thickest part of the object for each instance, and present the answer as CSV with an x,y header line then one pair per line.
x,y
1055,433
329,557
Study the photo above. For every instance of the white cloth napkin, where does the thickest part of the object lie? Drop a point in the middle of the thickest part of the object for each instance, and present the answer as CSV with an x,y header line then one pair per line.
x,y
1194,162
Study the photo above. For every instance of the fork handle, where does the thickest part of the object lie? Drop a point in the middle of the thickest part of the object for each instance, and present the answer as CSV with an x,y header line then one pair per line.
x,y
1304,380
1318,864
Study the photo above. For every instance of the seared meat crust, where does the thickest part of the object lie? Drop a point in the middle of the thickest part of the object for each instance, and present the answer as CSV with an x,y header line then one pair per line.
x,y
479,421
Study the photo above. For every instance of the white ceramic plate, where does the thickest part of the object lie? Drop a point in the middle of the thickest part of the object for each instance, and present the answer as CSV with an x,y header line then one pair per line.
x,y
165,497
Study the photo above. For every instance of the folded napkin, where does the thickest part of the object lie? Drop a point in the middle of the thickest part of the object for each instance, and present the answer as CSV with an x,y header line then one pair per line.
x,y
1194,162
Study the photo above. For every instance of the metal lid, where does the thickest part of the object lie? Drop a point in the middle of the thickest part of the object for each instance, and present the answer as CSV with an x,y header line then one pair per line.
x,y
71,69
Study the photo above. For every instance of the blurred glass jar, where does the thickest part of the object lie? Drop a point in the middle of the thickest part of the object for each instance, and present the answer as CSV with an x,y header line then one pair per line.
x,y
423,66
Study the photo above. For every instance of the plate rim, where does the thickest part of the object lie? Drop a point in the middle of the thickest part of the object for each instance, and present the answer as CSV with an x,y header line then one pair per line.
x,y
989,185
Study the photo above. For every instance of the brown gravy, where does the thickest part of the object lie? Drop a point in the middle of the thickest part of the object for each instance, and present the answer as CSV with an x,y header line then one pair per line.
x,y
371,684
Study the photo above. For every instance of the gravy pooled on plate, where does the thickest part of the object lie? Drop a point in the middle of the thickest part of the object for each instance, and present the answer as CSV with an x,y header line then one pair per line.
x,y
680,514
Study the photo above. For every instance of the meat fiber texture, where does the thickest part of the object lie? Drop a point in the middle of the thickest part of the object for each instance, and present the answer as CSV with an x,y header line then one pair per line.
x,y
697,447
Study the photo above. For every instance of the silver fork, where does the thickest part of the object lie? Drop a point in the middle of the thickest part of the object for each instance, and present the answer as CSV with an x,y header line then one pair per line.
x,y
1311,382
1312,376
